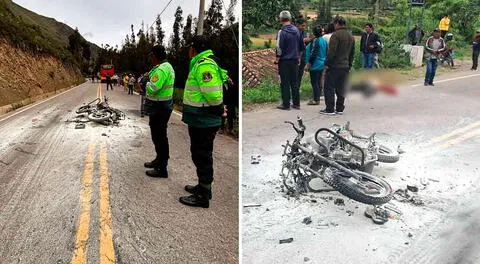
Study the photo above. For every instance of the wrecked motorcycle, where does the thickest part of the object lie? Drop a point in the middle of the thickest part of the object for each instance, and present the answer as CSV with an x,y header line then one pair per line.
x,y
348,153
305,162
101,112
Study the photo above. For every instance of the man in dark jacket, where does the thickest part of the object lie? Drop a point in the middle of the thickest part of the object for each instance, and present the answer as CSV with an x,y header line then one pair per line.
x,y
301,26
475,50
109,81
341,51
416,35
368,46
289,50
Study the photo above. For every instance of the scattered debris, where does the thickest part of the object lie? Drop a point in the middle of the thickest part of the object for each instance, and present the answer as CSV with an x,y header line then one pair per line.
x,y
252,205
402,195
288,240
392,208
350,213
306,259
433,180
255,160
313,201
80,126
378,215
339,202
307,220
400,150
410,235
412,188
104,134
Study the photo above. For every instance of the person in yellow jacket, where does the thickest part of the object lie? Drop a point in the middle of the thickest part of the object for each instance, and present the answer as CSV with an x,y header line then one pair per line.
x,y
202,111
159,106
444,25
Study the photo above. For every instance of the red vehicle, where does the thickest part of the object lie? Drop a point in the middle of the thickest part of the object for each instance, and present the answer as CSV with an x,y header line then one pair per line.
x,y
106,69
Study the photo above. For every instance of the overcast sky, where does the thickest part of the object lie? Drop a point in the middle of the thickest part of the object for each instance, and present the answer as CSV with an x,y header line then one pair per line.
x,y
108,21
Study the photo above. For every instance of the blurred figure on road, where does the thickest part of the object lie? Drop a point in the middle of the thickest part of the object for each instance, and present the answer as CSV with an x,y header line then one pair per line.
x,y
131,83
290,46
125,82
93,77
202,111
115,80
416,35
434,46
143,88
369,44
341,52
475,50
301,26
315,56
159,106
108,79
444,25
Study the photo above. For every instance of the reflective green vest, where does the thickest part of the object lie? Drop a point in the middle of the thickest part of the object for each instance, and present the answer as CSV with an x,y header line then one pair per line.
x,y
160,84
203,91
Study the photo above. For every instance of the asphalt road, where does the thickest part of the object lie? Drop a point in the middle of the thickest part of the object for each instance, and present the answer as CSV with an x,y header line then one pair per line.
x,y
439,129
76,196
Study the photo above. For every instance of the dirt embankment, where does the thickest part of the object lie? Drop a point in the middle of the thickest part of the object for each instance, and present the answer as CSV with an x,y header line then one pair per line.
x,y
25,78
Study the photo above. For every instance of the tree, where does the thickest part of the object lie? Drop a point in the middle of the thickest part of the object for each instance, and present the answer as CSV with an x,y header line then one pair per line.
x,y
133,36
324,11
187,30
160,33
175,40
151,36
214,18
230,14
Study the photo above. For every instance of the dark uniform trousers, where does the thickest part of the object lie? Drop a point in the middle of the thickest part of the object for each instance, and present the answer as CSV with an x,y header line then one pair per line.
x,y
201,147
158,128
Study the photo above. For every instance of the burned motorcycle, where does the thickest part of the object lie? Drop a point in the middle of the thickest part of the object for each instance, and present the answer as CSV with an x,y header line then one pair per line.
x,y
328,161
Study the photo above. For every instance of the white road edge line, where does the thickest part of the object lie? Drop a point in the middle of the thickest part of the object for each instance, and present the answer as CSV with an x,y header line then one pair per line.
x,y
38,103
452,79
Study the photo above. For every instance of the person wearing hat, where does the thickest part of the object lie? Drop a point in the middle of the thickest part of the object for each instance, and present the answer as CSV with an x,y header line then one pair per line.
x,y
158,105
434,46
203,109
475,50
290,47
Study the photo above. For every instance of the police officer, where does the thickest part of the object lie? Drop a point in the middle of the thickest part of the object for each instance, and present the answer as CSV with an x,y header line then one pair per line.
x,y
202,112
158,105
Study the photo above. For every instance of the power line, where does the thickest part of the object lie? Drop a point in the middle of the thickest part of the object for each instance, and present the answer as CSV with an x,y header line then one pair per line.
x,y
161,13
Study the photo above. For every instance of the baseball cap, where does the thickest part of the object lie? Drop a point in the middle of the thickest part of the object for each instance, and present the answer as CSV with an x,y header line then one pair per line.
x,y
285,15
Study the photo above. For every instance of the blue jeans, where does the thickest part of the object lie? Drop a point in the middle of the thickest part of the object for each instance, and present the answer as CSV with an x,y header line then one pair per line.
x,y
315,77
368,60
431,70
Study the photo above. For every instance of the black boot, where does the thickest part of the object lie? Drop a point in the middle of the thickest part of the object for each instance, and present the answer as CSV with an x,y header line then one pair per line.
x,y
150,164
157,173
195,200
199,199
193,189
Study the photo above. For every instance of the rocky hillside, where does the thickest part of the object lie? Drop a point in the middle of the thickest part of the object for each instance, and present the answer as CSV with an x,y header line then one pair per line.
x,y
34,55
24,76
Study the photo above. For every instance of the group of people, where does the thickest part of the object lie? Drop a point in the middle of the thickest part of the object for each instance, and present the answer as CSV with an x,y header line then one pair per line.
x,y
328,55
203,109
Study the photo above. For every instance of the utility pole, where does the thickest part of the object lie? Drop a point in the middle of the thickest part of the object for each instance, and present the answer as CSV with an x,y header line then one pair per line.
x,y
201,15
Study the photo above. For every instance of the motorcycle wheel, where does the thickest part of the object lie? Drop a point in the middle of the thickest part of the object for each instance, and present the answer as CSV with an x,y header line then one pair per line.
x,y
368,190
387,155
99,116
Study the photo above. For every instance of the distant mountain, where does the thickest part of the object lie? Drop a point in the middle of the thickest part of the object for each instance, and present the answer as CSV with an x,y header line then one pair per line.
x,y
55,32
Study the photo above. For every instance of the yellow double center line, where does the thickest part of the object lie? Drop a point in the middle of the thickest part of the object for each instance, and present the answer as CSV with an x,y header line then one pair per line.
x,y
107,252
99,91
456,137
